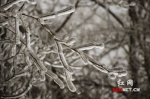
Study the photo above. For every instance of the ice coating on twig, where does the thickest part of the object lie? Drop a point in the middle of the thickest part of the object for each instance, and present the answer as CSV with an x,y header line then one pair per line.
x,y
16,76
51,74
20,94
90,46
83,57
70,85
117,72
55,78
28,61
38,62
28,38
65,11
17,31
3,23
122,73
70,41
59,82
10,4
13,50
62,57
47,63
97,65
42,78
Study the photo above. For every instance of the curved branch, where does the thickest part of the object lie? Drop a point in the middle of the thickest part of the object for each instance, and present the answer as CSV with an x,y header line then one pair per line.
x,y
66,20
103,6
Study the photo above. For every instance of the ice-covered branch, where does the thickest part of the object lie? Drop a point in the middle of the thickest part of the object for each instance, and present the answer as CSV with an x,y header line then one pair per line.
x,y
65,11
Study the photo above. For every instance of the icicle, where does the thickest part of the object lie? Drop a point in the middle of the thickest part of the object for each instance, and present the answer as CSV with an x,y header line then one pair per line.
x,y
59,82
70,85
33,2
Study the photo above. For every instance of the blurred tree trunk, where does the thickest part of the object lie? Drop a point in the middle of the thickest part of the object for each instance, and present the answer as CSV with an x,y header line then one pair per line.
x,y
137,39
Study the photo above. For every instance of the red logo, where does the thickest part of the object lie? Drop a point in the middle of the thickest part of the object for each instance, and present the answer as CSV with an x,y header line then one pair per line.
x,y
117,89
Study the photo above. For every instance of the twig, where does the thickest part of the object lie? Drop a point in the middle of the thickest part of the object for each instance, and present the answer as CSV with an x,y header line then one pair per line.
x,y
116,17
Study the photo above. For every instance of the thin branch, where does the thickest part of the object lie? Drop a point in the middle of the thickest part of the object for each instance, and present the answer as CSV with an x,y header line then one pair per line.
x,y
115,16
66,20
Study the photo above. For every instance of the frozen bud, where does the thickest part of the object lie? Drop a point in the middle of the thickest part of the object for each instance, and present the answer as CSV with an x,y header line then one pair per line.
x,y
112,75
78,92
